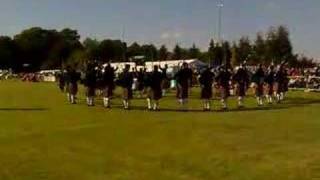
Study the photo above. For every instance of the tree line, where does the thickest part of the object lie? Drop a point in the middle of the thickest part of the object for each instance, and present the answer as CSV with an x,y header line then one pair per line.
x,y
37,48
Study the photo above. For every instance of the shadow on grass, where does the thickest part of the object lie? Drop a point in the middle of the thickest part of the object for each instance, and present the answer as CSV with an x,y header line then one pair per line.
x,y
24,109
143,108
287,104
301,101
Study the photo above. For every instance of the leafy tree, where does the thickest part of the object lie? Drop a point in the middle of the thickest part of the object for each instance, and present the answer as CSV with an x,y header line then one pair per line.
x,y
227,54
49,49
244,50
284,44
194,52
134,50
163,53
211,51
218,55
7,52
92,49
70,41
278,44
177,52
34,45
77,58
112,50
150,52
259,50
234,52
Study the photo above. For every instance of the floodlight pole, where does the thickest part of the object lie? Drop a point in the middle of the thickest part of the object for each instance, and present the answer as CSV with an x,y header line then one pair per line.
x,y
220,6
123,43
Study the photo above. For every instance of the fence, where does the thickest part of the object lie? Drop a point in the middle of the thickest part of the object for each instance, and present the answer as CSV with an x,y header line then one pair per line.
x,y
306,83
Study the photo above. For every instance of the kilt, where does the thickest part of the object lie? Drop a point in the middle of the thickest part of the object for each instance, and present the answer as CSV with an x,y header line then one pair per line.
x,y
240,90
269,89
182,91
285,87
224,92
165,84
140,86
278,87
61,86
206,92
259,90
99,84
90,92
127,93
154,93
108,91
72,89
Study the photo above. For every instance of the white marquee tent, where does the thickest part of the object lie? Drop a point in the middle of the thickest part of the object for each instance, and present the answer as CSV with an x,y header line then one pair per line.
x,y
173,65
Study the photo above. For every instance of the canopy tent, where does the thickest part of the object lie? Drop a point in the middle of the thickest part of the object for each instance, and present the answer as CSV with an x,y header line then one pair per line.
x,y
121,65
174,65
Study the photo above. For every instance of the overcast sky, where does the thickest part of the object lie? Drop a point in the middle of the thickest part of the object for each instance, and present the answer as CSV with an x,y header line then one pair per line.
x,y
167,21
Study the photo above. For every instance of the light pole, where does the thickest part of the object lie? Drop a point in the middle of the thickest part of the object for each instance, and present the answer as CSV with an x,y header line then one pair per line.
x,y
123,44
220,6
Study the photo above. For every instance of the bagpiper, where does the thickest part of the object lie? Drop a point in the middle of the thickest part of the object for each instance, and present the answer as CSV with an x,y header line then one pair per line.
x,y
126,82
258,80
165,84
61,81
155,90
223,80
183,78
72,78
241,80
140,81
90,83
206,81
269,81
279,83
108,83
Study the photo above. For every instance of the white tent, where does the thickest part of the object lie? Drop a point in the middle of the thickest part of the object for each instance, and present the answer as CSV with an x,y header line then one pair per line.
x,y
173,65
121,65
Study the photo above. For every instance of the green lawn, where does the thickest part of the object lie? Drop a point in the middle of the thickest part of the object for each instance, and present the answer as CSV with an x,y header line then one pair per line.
x,y
43,137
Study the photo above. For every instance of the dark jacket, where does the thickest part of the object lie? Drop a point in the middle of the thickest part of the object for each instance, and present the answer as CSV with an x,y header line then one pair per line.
x,y
126,80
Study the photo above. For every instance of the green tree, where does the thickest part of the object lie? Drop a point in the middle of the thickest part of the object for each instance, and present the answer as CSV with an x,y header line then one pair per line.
x,y
284,52
150,52
259,50
7,53
211,52
218,55
77,59
194,52
34,45
134,50
244,50
92,49
112,50
163,53
234,52
69,42
227,54
177,52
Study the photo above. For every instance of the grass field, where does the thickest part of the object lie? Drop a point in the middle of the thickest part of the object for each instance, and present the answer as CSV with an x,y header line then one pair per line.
x,y
43,137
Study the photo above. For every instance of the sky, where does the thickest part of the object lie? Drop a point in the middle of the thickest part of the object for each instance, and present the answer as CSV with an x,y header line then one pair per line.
x,y
168,21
